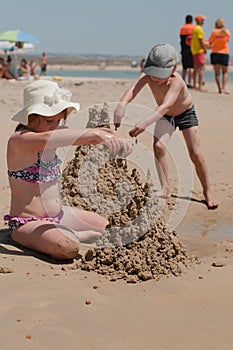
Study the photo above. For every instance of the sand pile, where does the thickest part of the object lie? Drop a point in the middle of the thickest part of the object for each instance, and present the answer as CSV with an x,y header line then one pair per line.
x,y
136,245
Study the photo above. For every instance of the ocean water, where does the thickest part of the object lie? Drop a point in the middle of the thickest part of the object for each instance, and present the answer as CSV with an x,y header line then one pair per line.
x,y
116,74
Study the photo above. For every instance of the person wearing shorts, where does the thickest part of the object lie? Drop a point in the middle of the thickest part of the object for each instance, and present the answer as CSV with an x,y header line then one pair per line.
x,y
174,109
185,120
186,31
198,49
219,56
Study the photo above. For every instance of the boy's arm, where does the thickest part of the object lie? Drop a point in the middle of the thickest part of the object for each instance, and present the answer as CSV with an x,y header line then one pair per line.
x,y
168,102
127,97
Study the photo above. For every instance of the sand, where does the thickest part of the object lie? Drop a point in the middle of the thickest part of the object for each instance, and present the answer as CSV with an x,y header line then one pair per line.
x,y
48,305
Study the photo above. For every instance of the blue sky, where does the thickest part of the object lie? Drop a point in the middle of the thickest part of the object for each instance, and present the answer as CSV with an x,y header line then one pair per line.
x,y
128,27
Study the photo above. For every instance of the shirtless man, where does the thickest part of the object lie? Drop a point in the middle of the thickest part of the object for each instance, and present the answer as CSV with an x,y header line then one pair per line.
x,y
174,109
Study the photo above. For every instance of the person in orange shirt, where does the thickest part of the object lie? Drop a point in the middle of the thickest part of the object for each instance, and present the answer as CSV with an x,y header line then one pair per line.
x,y
219,56
186,31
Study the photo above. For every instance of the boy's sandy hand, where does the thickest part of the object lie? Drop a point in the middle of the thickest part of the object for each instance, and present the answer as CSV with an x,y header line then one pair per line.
x,y
119,114
138,129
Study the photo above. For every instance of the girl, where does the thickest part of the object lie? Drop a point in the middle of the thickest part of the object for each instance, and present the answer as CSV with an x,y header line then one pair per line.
x,y
37,220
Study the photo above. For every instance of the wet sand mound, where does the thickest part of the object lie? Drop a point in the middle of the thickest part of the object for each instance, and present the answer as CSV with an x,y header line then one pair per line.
x,y
136,245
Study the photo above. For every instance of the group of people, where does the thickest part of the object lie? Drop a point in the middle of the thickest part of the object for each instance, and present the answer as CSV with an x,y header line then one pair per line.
x,y
37,219
194,47
25,70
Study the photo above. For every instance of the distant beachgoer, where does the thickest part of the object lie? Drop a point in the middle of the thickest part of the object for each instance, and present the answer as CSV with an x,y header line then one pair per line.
x,y
219,56
37,218
4,73
43,64
142,63
198,49
186,31
24,69
33,68
11,67
175,109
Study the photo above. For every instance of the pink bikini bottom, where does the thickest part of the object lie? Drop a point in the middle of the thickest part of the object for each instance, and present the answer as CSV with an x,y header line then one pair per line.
x,y
16,221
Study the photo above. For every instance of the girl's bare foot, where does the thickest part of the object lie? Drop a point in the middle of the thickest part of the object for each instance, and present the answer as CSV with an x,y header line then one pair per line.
x,y
88,236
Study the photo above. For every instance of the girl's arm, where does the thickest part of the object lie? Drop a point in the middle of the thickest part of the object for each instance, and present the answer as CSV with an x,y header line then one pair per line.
x,y
65,137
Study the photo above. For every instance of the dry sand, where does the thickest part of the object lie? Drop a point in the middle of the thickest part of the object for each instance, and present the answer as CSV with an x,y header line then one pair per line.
x,y
47,305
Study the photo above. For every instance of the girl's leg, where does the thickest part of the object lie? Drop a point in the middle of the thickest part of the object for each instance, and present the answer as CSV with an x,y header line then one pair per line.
x,y
86,224
162,133
46,237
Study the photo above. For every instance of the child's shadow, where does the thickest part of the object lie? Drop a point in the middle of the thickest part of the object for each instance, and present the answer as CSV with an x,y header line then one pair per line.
x,y
190,199
5,239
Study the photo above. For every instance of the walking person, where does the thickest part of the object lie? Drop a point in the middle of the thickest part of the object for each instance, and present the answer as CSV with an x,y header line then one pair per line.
x,y
186,31
198,49
219,57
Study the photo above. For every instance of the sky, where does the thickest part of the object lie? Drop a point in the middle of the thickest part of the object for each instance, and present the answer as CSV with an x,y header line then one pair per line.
x,y
106,27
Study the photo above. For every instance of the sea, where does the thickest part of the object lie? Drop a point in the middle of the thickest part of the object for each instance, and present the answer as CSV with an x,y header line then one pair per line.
x,y
130,74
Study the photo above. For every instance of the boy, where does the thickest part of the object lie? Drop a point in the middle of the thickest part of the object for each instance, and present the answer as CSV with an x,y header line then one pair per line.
x,y
175,108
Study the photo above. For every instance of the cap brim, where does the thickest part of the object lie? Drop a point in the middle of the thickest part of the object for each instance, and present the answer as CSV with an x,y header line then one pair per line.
x,y
157,72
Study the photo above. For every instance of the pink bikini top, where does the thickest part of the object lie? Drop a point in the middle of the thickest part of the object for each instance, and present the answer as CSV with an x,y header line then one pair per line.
x,y
39,172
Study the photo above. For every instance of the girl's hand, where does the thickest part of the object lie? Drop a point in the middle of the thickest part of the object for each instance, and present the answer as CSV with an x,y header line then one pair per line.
x,y
117,144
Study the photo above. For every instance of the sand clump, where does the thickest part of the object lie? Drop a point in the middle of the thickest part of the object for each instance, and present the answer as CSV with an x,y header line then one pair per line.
x,y
136,245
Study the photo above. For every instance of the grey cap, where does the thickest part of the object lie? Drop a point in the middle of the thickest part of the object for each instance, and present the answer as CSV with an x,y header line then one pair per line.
x,y
161,60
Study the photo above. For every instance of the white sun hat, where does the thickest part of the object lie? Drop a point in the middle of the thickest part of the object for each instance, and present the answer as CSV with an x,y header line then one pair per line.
x,y
45,98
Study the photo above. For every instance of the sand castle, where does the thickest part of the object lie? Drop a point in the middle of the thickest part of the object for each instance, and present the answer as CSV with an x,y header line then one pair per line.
x,y
136,245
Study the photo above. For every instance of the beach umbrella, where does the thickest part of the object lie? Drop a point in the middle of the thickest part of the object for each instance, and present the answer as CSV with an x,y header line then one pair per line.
x,y
18,36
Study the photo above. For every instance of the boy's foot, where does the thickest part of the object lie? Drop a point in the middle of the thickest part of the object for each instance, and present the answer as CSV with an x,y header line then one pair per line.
x,y
225,92
211,204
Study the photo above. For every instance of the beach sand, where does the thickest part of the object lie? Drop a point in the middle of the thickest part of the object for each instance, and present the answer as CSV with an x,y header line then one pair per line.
x,y
48,305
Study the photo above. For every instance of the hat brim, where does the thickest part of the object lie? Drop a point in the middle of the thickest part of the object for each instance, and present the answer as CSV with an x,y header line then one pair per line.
x,y
158,72
45,110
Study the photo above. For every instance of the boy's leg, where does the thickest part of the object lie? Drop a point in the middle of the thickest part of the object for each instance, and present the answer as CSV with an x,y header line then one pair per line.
x,y
192,139
162,133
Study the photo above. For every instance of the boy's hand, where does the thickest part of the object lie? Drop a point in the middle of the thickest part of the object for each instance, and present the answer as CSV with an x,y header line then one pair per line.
x,y
138,129
119,114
